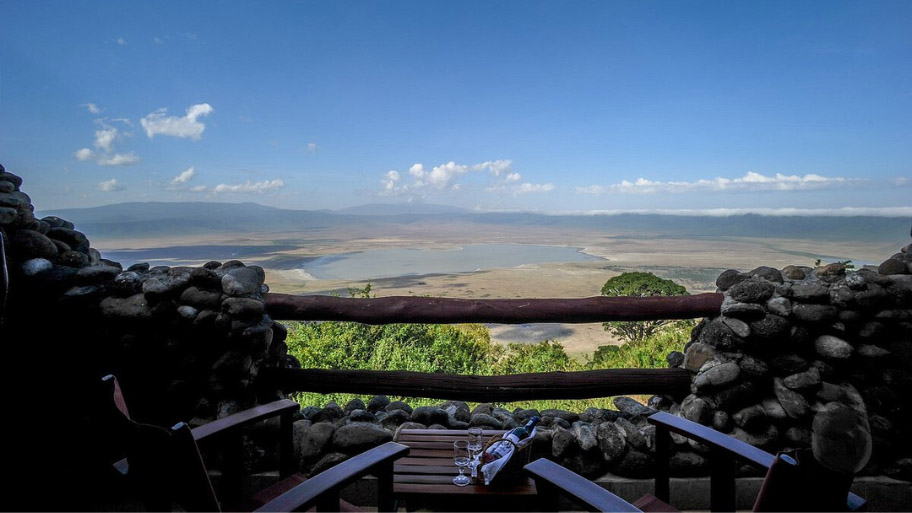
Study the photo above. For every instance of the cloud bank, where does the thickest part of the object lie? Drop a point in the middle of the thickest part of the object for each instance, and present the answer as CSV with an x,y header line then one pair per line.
x,y
447,178
250,187
751,181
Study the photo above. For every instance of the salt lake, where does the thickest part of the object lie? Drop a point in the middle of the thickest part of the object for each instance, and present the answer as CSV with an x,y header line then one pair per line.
x,y
386,263
363,265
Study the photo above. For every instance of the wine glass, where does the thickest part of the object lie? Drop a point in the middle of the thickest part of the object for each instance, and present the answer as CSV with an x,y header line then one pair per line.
x,y
475,445
461,458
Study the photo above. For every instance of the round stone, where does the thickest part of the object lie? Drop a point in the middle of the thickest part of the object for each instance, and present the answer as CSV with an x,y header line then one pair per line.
x,y
695,409
892,266
768,274
779,306
242,281
795,272
610,441
76,240
430,415
829,346
631,408
807,379
794,404
815,313
737,326
31,244
717,376
73,259
754,290
561,441
35,266
243,307
187,312
729,278
810,292
131,308
354,404
201,298
7,215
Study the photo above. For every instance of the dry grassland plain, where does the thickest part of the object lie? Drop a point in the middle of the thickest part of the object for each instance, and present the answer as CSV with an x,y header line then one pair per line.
x,y
692,262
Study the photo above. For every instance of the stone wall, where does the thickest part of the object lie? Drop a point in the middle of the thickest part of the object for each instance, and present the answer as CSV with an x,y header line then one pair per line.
x,y
187,342
788,342
190,342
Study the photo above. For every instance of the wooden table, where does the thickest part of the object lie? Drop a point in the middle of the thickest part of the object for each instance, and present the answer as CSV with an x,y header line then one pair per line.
x,y
425,477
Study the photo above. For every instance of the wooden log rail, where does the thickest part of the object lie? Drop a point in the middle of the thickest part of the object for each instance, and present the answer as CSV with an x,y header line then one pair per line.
x,y
516,387
408,309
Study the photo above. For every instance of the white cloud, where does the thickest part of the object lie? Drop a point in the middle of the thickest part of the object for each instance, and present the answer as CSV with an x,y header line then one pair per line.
x,y
199,188
312,147
901,181
390,181
417,170
443,175
439,177
84,154
157,40
495,167
118,159
92,108
121,41
751,181
250,187
446,177
110,186
104,138
534,187
591,189
184,177
188,126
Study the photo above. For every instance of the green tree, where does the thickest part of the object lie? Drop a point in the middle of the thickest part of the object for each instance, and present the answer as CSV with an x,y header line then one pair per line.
x,y
639,284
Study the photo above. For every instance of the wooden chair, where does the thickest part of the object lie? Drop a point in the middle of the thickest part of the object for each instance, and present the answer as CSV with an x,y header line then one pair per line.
x,y
168,469
552,480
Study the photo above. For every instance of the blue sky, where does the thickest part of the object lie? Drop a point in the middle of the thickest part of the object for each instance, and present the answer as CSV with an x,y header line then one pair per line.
x,y
545,106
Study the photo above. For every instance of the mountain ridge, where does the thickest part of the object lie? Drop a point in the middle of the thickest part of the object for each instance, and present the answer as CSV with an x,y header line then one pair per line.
x,y
157,218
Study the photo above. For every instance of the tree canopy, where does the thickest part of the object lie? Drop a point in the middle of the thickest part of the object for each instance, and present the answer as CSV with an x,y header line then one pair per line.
x,y
639,284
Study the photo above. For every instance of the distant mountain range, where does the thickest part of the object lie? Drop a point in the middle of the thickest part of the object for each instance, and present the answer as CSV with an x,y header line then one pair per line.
x,y
157,218
396,209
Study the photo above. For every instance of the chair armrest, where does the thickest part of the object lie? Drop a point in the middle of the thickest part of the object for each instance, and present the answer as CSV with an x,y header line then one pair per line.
x,y
576,487
244,418
308,493
712,438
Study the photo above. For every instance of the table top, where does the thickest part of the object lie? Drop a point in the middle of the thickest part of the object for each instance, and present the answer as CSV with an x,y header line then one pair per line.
x,y
428,470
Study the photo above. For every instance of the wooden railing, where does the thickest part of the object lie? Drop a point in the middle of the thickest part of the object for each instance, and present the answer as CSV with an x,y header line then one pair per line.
x,y
544,385
408,309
